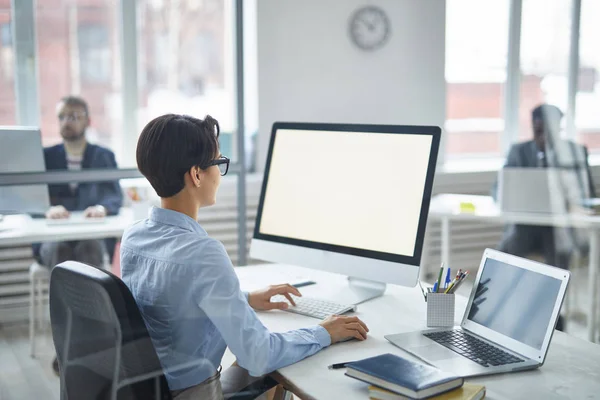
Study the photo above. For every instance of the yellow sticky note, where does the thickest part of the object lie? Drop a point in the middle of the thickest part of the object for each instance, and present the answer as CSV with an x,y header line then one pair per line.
x,y
467,207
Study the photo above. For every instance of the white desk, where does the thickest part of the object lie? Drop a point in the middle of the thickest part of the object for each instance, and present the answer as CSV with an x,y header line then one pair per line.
x,y
18,230
572,368
446,208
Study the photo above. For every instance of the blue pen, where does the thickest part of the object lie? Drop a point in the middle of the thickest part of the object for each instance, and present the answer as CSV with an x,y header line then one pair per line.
x,y
447,279
435,287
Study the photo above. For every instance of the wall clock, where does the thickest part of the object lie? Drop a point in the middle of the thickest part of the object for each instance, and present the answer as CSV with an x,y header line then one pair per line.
x,y
369,28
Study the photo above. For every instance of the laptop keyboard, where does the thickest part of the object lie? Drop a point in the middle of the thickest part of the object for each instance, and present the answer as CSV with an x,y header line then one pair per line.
x,y
473,348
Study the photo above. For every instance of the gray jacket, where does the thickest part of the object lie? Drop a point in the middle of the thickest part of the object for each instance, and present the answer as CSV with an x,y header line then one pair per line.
x,y
568,154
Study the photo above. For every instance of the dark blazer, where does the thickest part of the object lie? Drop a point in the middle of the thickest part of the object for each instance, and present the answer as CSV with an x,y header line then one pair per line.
x,y
107,194
568,154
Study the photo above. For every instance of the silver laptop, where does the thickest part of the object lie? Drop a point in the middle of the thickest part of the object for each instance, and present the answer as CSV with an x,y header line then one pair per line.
x,y
540,190
508,323
21,151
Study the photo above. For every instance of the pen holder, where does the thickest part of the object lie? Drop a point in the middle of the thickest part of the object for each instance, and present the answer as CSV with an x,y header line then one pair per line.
x,y
440,310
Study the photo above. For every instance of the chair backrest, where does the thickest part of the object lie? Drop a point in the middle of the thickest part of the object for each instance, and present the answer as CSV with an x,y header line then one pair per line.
x,y
103,348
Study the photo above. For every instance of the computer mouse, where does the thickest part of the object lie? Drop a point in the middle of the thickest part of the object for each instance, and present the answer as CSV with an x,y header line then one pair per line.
x,y
349,339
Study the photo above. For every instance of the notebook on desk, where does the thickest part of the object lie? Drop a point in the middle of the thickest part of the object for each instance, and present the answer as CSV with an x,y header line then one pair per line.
x,y
408,378
467,391
507,326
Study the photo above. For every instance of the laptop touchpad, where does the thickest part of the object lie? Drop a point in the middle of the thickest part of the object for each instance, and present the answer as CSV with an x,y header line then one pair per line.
x,y
433,352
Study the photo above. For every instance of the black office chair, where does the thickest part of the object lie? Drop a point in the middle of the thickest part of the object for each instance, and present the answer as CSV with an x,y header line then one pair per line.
x,y
103,348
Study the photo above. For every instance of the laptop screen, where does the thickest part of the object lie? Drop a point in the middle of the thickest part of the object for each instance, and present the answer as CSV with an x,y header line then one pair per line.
x,y
515,302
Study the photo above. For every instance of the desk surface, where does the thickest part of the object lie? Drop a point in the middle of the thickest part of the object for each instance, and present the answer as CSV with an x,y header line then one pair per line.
x,y
448,205
21,229
572,368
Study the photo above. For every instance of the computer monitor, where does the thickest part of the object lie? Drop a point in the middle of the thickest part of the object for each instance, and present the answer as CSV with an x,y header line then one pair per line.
x,y
21,151
349,199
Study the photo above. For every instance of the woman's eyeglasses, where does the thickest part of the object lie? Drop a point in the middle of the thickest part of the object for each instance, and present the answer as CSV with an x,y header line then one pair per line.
x,y
223,164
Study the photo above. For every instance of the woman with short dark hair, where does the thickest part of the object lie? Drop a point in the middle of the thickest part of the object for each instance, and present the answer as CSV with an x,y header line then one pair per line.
x,y
183,280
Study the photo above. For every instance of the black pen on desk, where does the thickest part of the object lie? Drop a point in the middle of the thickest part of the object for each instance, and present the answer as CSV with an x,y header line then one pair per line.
x,y
303,283
338,365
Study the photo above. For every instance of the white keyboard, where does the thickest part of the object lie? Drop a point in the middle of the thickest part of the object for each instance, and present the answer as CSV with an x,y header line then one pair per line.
x,y
75,218
315,308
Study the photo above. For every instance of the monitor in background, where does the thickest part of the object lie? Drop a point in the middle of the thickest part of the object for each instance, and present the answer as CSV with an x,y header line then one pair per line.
x,y
349,199
21,151
541,190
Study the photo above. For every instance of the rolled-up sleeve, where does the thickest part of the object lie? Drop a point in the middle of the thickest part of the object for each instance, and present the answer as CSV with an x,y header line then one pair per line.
x,y
257,349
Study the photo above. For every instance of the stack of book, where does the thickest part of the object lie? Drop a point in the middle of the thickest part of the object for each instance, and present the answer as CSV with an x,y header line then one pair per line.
x,y
393,378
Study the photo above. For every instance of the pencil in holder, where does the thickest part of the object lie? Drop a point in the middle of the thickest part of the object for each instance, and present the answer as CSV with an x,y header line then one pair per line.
x,y
440,310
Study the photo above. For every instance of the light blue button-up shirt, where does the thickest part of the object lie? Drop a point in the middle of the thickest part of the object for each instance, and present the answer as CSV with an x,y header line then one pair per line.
x,y
190,298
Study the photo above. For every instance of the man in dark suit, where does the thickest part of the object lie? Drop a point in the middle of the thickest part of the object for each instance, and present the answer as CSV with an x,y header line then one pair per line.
x,y
547,149
95,199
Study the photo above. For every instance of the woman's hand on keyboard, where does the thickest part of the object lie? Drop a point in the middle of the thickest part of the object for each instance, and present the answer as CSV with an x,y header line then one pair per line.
x,y
341,327
260,300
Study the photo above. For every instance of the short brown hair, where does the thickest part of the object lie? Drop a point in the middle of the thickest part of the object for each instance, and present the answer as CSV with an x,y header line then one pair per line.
x,y
76,101
172,144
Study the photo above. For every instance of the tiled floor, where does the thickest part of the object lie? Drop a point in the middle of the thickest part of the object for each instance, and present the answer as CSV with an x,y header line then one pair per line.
x,y
23,377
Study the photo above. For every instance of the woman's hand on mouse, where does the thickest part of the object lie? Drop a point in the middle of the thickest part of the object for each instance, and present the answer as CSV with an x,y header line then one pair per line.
x,y
342,327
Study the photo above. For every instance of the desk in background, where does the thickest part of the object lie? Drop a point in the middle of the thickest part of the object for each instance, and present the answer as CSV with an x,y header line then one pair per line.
x,y
446,208
572,368
16,230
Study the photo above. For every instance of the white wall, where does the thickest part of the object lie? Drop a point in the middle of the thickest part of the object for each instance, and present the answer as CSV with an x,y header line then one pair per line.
x,y
309,70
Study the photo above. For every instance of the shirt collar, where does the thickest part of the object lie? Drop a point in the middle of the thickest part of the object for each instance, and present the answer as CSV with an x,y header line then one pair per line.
x,y
175,218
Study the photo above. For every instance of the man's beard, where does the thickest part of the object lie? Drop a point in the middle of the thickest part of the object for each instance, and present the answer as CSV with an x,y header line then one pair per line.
x,y
72,138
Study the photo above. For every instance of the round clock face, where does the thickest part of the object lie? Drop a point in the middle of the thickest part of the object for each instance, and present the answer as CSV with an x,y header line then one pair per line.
x,y
369,28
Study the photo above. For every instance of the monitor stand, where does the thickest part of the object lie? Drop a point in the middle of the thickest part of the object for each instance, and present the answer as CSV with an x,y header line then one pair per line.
x,y
359,290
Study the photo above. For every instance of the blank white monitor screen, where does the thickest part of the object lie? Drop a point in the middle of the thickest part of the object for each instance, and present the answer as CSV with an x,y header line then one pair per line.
x,y
360,190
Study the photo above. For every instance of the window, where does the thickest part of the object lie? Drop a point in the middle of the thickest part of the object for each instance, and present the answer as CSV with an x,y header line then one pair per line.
x,y
250,84
78,54
94,53
476,53
587,116
186,62
7,70
545,37
6,35
476,71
